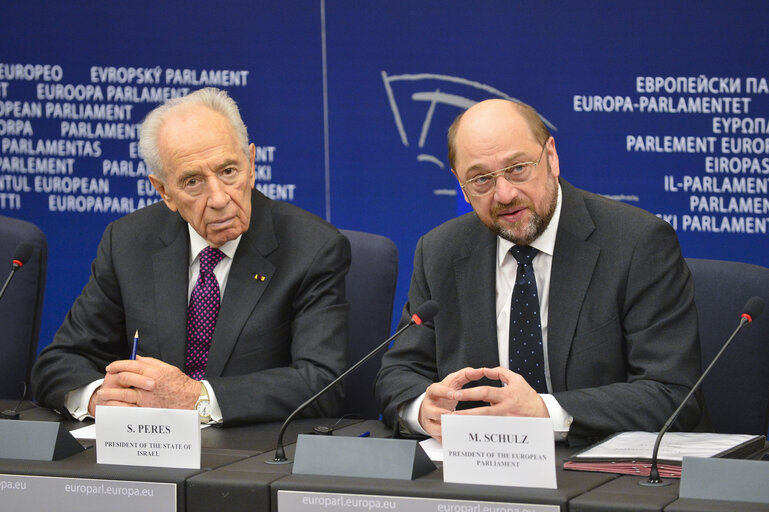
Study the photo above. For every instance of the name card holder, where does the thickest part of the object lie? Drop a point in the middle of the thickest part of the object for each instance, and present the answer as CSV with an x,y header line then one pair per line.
x,y
401,459
36,440
725,479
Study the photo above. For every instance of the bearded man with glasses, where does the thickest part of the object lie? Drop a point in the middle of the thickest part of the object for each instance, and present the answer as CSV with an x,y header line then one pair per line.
x,y
555,302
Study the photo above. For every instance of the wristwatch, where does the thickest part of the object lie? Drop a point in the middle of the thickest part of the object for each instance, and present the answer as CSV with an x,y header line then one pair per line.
x,y
203,405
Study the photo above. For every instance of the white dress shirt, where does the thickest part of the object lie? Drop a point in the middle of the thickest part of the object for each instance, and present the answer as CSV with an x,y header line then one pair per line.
x,y
506,271
76,401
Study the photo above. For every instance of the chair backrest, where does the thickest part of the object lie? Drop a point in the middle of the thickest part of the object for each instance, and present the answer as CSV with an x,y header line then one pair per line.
x,y
21,307
737,388
370,291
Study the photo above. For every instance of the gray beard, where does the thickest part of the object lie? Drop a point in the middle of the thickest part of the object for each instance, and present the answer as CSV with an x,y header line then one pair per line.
x,y
536,226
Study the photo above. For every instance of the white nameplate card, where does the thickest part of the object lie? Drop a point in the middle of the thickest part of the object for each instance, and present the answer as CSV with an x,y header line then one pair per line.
x,y
498,450
141,436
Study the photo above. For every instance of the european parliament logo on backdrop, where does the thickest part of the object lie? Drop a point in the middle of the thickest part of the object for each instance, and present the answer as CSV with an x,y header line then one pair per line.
x,y
424,105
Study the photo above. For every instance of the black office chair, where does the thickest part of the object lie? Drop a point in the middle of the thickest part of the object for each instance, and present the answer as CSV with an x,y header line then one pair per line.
x,y
370,291
737,388
21,307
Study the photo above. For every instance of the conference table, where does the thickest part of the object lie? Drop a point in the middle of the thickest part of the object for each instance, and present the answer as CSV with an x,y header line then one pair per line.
x,y
235,476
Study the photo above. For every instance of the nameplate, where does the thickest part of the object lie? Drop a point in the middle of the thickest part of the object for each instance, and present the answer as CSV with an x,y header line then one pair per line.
x,y
141,436
303,501
497,450
64,494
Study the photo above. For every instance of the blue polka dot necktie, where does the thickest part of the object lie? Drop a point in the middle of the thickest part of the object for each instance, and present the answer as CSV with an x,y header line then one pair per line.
x,y
202,312
526,352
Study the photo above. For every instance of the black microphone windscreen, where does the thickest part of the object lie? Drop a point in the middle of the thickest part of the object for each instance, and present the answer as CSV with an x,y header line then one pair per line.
x,y
754,307
23,253
427,310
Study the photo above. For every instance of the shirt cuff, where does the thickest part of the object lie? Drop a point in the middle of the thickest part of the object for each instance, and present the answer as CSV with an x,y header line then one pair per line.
x,y
560,419
216,412
408,416
77,400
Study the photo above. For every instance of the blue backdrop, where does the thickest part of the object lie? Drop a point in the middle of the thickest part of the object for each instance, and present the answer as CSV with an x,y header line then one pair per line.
x,y
664,105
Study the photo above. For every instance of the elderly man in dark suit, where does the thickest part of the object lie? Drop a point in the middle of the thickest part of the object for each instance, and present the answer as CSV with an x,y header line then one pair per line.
x,y
238,300
611,339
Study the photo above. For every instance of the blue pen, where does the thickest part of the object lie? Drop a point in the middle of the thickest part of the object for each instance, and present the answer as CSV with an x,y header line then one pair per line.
x,y
136,343
365,434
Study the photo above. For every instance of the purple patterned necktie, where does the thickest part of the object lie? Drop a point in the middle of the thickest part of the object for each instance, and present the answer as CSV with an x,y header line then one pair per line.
x,y
526,352
201,314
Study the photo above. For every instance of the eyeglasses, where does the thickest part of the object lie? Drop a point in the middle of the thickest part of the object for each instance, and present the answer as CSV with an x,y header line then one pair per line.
x,y
517,174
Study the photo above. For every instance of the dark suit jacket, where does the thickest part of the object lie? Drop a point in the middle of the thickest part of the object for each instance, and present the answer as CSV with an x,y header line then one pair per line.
x,y
623,345
277,341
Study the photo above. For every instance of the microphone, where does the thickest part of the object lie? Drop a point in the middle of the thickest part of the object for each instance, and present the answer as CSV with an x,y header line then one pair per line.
x,y
20,257
752,310
424,313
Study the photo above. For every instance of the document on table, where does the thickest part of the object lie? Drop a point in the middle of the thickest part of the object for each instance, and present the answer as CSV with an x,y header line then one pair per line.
x,y
631,452
674,446
433,449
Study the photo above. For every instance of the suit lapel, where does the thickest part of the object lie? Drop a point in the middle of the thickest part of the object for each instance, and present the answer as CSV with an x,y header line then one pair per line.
x,y
476,281
170,266
244,285
574,260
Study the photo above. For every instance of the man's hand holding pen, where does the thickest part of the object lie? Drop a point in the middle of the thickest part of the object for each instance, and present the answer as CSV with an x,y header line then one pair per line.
x,y
145,382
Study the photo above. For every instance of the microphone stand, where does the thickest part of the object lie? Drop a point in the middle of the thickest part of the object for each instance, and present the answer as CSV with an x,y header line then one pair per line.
x,y
20,258
13,414
280,454
654,476
10,276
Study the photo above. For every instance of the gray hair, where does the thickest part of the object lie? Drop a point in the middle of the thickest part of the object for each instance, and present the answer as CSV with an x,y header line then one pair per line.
x,y
211,97
530,116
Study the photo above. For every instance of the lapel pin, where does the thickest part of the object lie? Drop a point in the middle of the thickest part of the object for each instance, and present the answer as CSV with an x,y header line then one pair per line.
x,y
259,277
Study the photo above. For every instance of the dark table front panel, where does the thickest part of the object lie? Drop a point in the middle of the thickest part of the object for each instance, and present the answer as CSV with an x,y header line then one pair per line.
x,y
433,486
692,505
570,484
83,465
625,494
245,485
